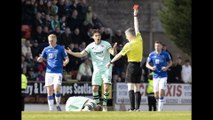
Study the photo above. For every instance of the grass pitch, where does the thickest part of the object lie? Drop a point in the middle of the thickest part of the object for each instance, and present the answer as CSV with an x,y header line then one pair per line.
x,y
173,115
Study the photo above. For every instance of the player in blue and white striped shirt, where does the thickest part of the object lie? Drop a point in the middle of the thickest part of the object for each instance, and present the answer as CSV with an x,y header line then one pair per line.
x,y
56,57
159,61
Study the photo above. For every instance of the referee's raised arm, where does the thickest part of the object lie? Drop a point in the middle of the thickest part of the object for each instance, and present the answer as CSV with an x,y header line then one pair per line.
x,y
136,25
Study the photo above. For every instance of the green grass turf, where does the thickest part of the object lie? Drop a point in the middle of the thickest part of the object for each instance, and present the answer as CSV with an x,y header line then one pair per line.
x,y
173,115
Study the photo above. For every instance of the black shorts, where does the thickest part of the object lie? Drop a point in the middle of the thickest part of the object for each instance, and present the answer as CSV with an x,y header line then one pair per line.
x,y
134,72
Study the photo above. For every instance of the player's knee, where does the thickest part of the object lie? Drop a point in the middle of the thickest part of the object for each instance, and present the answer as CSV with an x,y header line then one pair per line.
x,y
106,88
95,88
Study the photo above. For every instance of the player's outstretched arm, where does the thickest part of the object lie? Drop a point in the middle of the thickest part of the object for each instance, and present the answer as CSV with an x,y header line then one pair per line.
x,y
113,50
136,24
117,57
77,54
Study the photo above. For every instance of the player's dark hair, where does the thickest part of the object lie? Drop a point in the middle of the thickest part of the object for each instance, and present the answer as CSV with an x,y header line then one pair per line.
x,y
98,108
96,31
158,42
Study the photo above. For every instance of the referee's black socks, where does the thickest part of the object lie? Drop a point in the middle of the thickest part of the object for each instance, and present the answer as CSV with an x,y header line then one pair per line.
x,y
132,99
138,99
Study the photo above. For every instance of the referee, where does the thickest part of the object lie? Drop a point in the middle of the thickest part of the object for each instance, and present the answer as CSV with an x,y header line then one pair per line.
x,y
134,50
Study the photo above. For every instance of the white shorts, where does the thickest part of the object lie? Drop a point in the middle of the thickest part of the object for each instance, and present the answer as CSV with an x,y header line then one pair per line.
x,y
53,79
159,83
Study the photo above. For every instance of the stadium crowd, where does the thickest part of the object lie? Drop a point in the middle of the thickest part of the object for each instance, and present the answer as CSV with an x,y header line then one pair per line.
x,y
72,21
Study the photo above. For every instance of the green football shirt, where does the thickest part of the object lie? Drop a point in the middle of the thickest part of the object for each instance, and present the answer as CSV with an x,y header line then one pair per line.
x,y
99,54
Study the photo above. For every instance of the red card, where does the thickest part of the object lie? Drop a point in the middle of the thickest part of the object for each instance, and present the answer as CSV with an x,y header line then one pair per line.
x,y
136,7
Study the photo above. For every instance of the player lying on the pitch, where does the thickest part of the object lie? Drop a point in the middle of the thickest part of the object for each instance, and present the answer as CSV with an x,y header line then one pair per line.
x,y
81,104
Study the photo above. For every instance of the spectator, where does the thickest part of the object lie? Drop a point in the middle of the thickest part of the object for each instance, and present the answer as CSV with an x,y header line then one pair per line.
x,y
82,46
97,24
37,21
55,23
45,33
41,7
61,8
77,37
67,8
85,71
72,21
73,65
186,72
63,23
28,11
171,74
57,32
47,21
27,49
177,70
66,38
118,38
88,36
165,49
31,75
23,62
29,60
54,8
88,21
39,36
82,9
35,49
106,34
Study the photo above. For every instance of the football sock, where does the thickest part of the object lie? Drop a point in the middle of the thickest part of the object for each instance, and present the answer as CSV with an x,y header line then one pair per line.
x,y
106,97
138,99
50,102
160,103
132,99
57,98
96,97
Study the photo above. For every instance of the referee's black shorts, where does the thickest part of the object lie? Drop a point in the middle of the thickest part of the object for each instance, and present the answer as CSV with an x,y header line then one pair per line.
x,y
134,72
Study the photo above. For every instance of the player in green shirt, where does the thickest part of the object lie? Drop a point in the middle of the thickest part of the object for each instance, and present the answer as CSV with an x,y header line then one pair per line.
x,y
99,51
81,104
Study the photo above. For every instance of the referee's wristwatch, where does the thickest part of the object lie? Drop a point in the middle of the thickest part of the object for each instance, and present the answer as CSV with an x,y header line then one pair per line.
x,y
111,62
